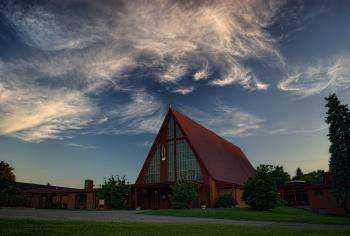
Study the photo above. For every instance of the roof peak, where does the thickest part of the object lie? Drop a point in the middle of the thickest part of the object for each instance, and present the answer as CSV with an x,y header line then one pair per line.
x,y
223,160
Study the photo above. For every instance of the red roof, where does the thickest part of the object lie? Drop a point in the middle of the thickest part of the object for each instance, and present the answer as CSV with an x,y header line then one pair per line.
x,y
223,160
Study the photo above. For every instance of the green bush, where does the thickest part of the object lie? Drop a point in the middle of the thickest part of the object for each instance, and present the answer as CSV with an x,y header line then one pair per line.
x,y
115,191
260,192
183,193
225,201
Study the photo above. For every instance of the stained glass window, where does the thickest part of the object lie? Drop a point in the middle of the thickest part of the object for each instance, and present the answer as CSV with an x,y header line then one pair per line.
x,y
171,174
187,166
186,162
153,171
171,128
178,132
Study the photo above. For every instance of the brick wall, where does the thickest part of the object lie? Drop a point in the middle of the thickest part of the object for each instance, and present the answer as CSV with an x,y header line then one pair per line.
x,y
321,200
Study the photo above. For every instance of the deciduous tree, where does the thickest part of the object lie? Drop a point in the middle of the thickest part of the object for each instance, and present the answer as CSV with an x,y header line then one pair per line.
x,y
260,192
6,175
9,194
183,192
277,173
115,191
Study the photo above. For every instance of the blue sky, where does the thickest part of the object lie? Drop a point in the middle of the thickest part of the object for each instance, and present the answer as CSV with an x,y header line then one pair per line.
x,y
84,85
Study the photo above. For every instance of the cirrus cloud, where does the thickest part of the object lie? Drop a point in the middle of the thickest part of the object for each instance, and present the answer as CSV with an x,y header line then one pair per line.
x,y
318,77
56,90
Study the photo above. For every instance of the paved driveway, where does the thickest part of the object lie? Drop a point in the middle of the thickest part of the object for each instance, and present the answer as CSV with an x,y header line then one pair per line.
x,y
50,214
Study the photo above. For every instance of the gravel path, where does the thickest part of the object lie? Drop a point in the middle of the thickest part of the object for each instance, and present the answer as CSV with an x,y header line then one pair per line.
x,y
50,214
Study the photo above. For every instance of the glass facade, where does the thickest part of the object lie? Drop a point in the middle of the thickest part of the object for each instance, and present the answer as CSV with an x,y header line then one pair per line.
x,y
171,170
153,171
179,152
171,128
186,162
178,132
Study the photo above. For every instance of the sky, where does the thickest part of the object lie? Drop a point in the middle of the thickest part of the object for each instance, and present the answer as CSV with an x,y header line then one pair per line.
x,y
85,85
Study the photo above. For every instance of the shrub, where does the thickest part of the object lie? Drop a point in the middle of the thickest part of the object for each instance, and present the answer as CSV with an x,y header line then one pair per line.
x,y
183,193
225,201
260,192
12,197
115,192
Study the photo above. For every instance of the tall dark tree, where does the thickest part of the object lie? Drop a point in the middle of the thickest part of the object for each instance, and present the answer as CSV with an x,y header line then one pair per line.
x,y
9,194
338,119
6,175
277,173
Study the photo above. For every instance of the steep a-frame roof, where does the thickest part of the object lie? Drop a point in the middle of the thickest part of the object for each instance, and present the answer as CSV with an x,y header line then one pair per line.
x,y
223,160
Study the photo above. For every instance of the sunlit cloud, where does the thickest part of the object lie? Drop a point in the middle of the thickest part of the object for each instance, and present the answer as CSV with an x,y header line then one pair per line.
x,y
119,47
184,90
201,74
243,77
315,78
291,131
44,29
82,146
33,115
175,35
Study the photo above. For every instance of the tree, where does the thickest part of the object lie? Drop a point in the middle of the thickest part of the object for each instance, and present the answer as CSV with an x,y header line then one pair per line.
x,y
298,174
115,191
338,119
260,192
6,175
9,194
314,177
183,192
277,173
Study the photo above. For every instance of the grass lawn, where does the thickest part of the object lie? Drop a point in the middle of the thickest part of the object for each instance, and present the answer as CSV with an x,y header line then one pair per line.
x,y
285,214
41,227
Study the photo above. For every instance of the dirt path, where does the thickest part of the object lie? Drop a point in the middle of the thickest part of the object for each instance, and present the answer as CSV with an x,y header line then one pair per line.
x,y
50,214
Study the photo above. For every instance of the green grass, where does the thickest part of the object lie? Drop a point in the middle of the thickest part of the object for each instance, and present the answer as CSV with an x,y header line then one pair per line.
x,y
41,227
280,214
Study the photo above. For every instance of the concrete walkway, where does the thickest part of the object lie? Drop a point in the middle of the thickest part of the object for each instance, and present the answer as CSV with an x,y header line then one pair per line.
x,y
50,214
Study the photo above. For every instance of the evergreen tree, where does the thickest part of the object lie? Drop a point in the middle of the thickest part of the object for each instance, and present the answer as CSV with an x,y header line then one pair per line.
x,y
338,119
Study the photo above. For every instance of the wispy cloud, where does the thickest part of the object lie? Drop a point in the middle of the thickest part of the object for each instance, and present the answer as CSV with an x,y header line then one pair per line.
x,y
56,90
82,146
34,115
290,131
184,90
170,38
226,120
143,114
315,78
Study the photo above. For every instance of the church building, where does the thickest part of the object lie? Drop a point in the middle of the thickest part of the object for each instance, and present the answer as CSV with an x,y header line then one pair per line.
x,y
184,149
